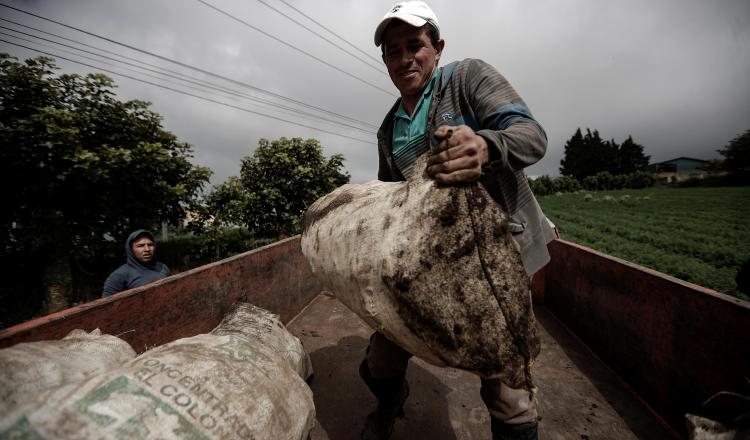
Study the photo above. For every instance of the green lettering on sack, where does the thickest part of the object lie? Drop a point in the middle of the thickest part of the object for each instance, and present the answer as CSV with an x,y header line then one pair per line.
x,y
240,351
129,411
21,430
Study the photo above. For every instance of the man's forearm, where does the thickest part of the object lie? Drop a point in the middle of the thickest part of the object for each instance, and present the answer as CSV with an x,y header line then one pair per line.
x,y
520,145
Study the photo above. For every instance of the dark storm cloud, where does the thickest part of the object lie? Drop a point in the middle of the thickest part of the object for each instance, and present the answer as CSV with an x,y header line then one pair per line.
x,y
673,74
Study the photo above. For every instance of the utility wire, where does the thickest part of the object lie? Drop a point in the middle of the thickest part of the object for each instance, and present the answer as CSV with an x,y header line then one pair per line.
x,y
231,93
332,32
308,54
378,67
189,94
197,69
96,48
189,77
204,84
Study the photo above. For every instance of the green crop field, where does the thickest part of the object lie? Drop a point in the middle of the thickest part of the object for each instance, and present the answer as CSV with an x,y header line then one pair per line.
x,y
700,235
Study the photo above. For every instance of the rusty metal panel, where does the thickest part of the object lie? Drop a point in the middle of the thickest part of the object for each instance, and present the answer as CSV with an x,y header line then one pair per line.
x,y
673,342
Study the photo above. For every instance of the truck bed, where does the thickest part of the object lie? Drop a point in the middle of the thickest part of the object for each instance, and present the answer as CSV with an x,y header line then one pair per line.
x,y
579,397
673,343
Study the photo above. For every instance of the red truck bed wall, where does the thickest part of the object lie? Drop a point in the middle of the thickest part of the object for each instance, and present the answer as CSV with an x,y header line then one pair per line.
x,y
275,277
674,343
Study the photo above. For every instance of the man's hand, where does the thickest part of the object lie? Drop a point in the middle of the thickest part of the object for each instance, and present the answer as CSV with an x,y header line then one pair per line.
x,y
459,156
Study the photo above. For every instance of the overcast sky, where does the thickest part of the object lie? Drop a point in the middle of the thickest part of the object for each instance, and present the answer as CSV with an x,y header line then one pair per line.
x,y
674,74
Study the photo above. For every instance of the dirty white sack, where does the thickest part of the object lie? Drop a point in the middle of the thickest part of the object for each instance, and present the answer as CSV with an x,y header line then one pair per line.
x,y
223,385
702,428
27,369
257,324
433,268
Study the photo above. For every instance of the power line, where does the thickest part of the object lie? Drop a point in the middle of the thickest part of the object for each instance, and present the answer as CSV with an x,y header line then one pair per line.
x,y
231,93
235,93
95,47
187,66
188,93
338,69
332,32
378,67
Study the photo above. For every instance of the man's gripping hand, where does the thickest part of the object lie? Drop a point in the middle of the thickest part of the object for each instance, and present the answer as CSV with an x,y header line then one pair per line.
x,y
459,155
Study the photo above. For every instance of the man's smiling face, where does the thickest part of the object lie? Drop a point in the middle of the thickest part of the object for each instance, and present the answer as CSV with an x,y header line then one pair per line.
x,y
410,57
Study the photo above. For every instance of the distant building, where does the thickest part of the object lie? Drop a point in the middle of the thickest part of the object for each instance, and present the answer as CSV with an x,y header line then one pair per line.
x,y
679,169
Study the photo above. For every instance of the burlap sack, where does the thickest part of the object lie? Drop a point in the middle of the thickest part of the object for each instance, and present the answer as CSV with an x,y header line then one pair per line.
x,y
433,268
213,386
28,369
260,325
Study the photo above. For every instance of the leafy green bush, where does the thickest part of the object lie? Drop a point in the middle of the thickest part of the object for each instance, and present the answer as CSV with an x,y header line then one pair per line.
x,y
541,186
188,251
619,181
590,183
565,184
603,181
640,180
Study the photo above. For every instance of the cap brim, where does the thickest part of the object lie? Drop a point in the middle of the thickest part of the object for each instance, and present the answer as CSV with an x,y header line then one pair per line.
x,y
410,19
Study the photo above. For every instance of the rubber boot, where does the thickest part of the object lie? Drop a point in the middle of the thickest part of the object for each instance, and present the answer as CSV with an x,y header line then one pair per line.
x,y
522,431
391,394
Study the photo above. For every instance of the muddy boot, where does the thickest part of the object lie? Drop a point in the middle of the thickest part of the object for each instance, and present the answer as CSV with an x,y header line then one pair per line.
x,y
391,394
522,431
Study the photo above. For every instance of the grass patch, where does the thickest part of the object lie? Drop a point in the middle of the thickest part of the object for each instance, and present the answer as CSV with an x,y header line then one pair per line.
x,y
700,235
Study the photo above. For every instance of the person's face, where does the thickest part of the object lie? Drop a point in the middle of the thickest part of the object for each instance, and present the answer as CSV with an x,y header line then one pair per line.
x,y
143,249
410,57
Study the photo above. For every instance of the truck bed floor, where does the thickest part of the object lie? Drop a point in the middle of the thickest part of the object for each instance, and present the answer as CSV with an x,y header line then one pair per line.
x,y
579,397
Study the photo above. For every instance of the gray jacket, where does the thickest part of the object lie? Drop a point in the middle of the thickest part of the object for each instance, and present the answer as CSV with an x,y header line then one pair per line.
x,y
473,93
134,273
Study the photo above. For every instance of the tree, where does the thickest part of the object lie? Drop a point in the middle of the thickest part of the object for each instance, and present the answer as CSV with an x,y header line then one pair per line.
x,y
227,204
587,155
276,185
80,169
737,154
630,157
572,161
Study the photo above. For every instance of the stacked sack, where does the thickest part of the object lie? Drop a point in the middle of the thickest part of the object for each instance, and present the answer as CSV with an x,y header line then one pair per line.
x,y
29,369
245,379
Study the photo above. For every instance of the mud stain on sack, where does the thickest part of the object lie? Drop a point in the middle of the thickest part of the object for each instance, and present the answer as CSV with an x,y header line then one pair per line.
x,y
479,200
386,222
398,282
439,250
422,319
466,247
444,325
362,226
312,216
451,323
448,214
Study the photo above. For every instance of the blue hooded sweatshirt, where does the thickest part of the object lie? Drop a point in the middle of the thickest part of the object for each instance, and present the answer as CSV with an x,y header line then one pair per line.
x,y
134,273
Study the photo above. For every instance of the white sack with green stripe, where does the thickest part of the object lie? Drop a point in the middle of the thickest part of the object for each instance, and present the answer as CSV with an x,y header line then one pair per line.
x,y
244,380
30,368
432,267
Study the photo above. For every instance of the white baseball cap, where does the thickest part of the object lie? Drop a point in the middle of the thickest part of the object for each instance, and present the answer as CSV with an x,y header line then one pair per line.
x,y
416,13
